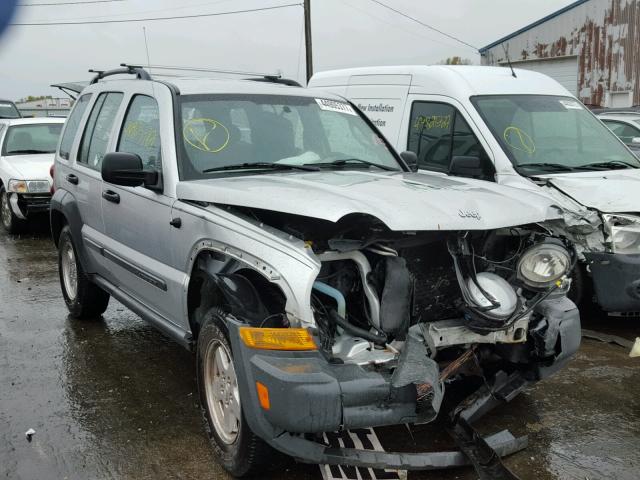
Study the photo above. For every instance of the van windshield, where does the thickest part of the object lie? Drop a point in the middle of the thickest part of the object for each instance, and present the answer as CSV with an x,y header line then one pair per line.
x,y
8,110
544,134
227,134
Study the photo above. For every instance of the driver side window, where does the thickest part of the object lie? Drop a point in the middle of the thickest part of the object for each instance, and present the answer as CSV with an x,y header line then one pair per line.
x,y
140,132
437,133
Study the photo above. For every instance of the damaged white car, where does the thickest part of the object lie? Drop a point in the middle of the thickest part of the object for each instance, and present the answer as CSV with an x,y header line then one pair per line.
x,y
522,129
323,285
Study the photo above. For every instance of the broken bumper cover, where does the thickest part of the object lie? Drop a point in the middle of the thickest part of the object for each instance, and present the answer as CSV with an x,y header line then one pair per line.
x,y
24,205
616,280
309,395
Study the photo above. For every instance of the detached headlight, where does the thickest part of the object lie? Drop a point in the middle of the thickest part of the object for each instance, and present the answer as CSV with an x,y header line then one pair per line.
x,y
543,265
29,186
624,233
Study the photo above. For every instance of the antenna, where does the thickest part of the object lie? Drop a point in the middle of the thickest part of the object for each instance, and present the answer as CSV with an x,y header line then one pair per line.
x,y
506,54
146,47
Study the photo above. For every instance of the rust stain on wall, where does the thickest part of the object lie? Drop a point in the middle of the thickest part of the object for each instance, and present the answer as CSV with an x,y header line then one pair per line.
x,y
604,36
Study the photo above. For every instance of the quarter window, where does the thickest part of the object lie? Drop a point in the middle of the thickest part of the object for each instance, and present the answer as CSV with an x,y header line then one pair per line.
x,y
141,132
72,125
98,130
438,132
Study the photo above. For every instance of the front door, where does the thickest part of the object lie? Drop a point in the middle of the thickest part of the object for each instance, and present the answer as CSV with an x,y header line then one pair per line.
x,y
136,219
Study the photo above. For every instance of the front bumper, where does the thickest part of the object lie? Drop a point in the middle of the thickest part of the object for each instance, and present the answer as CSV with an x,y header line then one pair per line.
x,y
616,280
26,204
309,395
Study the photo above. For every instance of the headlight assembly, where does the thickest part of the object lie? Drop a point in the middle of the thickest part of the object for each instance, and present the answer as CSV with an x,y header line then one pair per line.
x,y
543,265
28,186
624,233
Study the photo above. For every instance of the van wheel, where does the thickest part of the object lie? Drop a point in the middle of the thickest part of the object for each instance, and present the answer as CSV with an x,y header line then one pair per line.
x,y
10,222
84,298
235,446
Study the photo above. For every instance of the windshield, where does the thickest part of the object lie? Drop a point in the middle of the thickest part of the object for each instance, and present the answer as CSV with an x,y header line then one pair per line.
x,y
257,132
551,133
36,138
8,110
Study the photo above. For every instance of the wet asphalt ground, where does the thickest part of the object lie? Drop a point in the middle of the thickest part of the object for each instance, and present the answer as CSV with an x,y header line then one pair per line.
x,y
114,399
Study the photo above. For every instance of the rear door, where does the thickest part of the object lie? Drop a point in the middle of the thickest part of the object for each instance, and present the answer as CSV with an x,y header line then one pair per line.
x,y
85,179
137,219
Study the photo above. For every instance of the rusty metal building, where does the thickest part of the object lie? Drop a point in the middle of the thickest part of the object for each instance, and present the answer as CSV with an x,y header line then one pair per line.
x,y
592,47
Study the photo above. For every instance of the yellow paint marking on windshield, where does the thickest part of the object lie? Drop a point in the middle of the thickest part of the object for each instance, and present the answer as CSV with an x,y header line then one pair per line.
x,y
518,139
206,134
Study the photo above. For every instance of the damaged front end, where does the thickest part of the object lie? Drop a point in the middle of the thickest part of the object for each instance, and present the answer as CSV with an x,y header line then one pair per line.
x,y
398,319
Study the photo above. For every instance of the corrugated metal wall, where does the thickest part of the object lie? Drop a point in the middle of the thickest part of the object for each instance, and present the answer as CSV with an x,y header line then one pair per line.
x,y
604,35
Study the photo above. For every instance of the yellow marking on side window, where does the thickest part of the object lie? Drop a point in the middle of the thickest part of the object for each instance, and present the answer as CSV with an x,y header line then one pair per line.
x,y
518,139
432,121
206,134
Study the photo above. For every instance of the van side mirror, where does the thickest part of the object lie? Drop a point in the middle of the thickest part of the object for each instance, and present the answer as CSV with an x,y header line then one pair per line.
x,y
470,167
122,168
411,159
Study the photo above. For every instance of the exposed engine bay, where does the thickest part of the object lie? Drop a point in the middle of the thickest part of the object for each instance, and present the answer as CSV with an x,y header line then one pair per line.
x,y
455,291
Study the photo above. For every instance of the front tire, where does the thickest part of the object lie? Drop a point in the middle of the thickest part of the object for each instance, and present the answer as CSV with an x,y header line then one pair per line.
x,y
235,446
10,222
84,298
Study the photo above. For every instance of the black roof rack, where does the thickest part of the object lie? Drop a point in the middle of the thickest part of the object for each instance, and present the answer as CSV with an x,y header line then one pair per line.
x,y
136,70
276,79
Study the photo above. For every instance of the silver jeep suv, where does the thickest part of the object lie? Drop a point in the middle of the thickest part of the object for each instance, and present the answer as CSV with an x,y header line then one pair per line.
x,y
323,284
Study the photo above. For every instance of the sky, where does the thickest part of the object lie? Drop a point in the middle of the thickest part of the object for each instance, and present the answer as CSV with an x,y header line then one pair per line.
x,y
346,33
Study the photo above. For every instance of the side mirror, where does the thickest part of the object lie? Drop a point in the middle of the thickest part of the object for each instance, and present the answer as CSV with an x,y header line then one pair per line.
x,y
471,167
121,168
411,159
635,140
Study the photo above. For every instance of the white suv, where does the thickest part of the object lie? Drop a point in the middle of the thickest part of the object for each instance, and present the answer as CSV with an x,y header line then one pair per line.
x,y
322,284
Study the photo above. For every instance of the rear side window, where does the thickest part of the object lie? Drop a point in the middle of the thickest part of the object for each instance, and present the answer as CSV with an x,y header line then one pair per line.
x,y
72,125
437,133
141,132
99,126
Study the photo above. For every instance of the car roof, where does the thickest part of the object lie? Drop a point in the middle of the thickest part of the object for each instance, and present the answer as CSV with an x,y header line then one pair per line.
x,y
620,116
31,121
204,86
459,81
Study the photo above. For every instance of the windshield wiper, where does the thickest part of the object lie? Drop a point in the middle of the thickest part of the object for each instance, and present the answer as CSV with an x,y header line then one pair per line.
x,y
262,165
556,167
29,151
343,161
613,164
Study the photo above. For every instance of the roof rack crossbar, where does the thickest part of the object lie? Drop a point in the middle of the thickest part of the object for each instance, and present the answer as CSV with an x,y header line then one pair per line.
x,y
276,79
136,70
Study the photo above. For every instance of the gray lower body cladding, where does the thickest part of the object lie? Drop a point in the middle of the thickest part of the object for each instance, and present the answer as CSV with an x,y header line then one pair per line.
x,y
310,395
616,281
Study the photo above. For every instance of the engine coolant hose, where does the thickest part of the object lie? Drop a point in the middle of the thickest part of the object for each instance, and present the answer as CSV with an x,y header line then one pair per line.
x,y
339,316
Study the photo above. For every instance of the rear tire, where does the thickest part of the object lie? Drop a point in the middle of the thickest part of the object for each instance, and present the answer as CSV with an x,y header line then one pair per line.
x,y
10,222
235,446
84,298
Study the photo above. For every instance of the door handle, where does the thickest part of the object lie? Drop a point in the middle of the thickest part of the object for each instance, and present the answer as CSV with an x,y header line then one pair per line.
x,y
71,178
111,196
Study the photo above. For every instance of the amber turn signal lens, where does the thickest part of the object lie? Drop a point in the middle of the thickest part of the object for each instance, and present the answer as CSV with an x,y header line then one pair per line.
x,y
277,338
263,396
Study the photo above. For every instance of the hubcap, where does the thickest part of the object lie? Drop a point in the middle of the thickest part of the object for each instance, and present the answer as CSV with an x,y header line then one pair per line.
x,y
221,390
6,210
69,270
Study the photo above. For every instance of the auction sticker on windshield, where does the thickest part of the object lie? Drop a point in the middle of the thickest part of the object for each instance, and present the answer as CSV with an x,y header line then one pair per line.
x,y
571,104
333,106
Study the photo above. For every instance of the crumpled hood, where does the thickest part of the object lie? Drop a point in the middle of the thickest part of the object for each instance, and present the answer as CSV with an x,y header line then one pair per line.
x,y
615,191
403,201
30,167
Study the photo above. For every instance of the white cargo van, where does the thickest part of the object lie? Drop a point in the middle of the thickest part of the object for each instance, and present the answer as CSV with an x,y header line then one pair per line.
x,y
522,129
